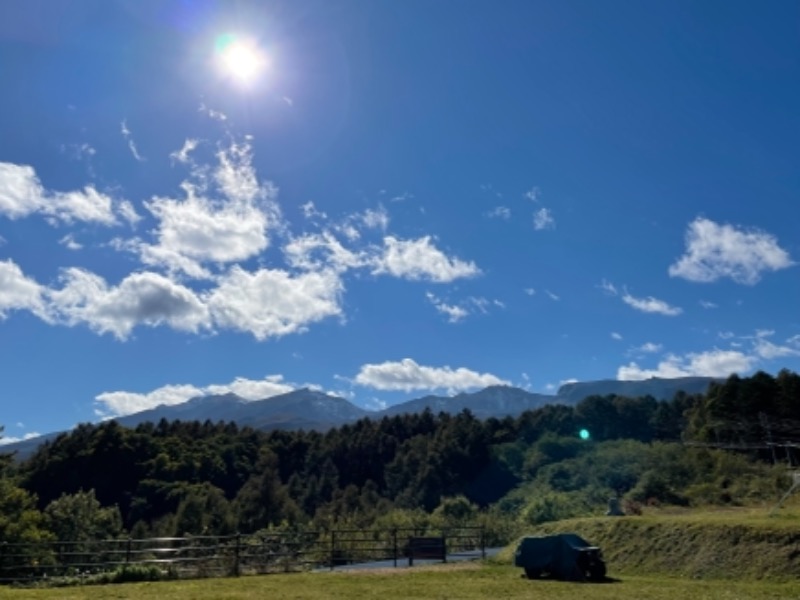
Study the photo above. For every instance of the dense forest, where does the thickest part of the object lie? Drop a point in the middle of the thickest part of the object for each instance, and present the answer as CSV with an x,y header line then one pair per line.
x,y
728,446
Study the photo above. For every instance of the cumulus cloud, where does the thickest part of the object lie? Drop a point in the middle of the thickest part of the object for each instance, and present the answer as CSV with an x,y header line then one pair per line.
x,y
715,251
321,250
768,350
651,305
117,404
22,194
198,229
543,219
18,292
406,375
140,299
713,363
273,303
420,260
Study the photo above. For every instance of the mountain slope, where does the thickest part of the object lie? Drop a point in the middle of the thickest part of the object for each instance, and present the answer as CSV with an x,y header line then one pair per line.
x,y
308,409
494,401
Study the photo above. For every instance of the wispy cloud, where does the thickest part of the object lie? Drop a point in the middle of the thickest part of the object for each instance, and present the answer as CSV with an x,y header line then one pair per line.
x,y
499,212
715,251
616,336
453,312
128,137
708,305
533,194
651,305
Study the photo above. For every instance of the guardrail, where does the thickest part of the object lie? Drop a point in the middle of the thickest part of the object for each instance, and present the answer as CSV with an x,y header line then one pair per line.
x,y
233,555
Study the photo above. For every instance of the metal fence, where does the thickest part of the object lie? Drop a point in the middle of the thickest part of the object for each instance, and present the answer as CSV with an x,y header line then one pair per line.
x,y
233,555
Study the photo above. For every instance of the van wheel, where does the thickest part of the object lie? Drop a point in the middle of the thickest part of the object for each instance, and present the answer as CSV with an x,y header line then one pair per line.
x,y
531,573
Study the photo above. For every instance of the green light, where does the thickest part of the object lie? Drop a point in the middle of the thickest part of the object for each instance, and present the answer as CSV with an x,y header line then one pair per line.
x,y
584,433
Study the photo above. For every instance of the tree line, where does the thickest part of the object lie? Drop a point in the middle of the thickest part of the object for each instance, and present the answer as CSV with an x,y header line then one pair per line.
x,y
177,478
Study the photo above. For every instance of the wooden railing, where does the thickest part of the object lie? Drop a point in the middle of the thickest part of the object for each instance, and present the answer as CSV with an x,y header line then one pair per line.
x,y
217,556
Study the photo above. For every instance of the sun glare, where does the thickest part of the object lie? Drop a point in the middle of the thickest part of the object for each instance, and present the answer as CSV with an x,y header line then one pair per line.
x,y
242,60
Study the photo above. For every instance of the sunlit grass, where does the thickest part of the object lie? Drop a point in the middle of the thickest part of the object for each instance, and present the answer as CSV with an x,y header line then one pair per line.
x,y
447,582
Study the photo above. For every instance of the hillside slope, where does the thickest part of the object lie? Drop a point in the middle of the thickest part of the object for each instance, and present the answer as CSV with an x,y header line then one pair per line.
x,y
713,545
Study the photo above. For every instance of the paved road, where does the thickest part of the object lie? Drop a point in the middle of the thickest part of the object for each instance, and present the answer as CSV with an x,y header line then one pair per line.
x,y
402,563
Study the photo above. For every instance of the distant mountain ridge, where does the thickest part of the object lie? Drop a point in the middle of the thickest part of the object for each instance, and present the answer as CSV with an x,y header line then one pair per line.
x,y
308,409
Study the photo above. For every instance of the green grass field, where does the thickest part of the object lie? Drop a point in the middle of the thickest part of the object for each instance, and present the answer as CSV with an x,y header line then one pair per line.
x,y
445,582
734,554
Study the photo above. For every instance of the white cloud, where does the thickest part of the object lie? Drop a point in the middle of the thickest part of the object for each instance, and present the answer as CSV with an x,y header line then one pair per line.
x,y
117,404
197,229
453,312
128,212
310,211
794,340
126,134
767,350
320,250
499,212
716,251
713,363
552,296
533,194
530,291
140,299
608,287
68,241
22,194
651,305
376,218
18,292
406,375
649,348
420,260
708,305
543,219
4,441
615,336
273,303
182,155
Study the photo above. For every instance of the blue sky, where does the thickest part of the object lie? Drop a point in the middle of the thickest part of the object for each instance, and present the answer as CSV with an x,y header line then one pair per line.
x,y
388,199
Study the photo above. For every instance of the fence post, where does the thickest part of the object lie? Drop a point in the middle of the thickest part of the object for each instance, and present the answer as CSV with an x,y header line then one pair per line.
x,y
483,544
237,550
128,550
394,546
333,547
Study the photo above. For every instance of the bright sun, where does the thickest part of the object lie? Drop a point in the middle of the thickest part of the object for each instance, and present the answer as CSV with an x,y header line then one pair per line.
x,y
240,59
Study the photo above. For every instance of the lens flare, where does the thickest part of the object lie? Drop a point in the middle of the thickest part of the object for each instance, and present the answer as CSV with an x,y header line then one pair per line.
x,y
239,58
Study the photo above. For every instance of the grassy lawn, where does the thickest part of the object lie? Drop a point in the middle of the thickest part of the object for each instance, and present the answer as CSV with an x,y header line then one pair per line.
x,y
444,582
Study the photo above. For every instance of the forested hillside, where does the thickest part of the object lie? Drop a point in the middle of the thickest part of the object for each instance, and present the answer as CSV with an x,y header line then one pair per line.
x,y
176,478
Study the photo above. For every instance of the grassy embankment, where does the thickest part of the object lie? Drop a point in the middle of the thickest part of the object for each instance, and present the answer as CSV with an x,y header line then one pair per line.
x,y
736,554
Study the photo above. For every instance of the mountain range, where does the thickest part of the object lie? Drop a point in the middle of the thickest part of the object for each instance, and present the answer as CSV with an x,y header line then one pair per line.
x,y
310,409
